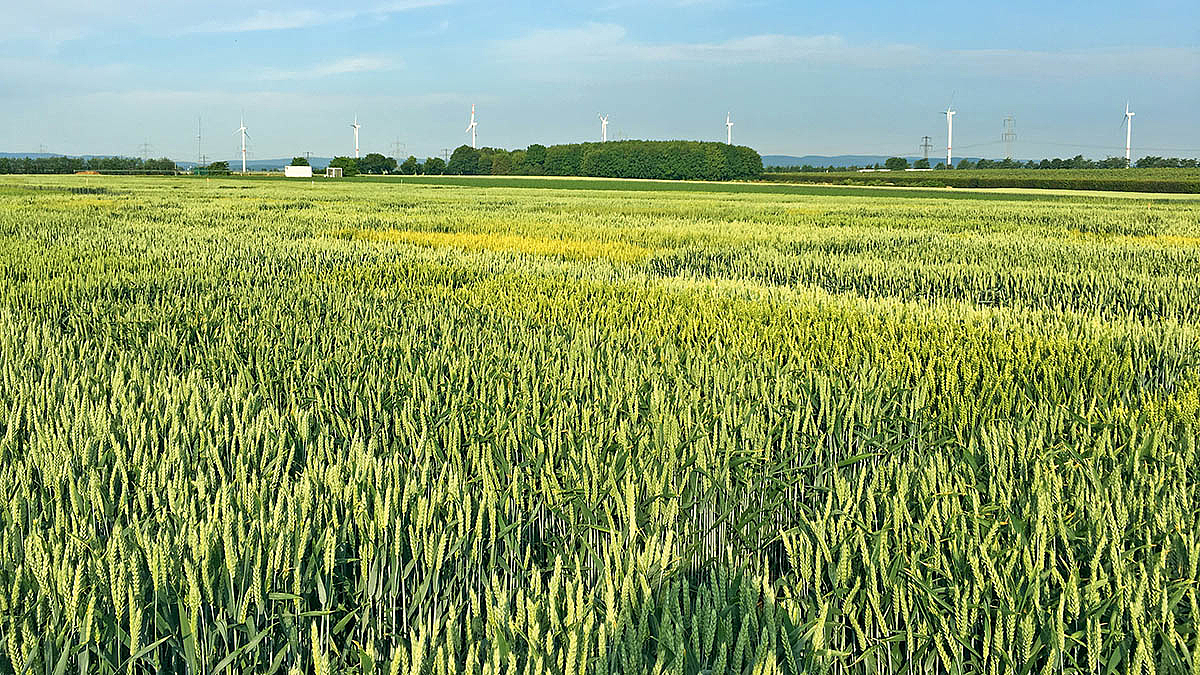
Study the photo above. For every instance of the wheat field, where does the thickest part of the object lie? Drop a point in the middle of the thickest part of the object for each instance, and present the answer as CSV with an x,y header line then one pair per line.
x,y
442,429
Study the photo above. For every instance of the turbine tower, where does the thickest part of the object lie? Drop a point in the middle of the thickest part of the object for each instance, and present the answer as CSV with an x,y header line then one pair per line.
x,y
356,126
1128,124
472,125
603,127
950,113
728,129
242,130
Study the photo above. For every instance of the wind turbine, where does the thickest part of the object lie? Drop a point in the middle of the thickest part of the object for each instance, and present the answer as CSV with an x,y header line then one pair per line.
x,y
950,113
1128,124
603,127
356,126
728,129
242,130
472,125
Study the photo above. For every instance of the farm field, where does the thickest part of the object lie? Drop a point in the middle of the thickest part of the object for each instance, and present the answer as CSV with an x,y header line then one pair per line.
x,y
1137,180
368,426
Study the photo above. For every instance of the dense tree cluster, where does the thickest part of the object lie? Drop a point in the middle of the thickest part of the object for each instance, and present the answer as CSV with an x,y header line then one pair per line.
x,y
373,163
376,163
432,166
1151,162
73,164
348,165
679,160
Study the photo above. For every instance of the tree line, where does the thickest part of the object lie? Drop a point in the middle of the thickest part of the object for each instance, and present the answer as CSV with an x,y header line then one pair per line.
x,y
671,160
668,160
1076,162
73,164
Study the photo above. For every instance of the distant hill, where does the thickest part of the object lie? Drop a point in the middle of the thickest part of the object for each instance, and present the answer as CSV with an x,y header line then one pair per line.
x,y
252,164
841,160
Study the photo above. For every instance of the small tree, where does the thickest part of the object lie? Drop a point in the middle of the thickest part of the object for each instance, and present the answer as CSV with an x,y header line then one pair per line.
x,y
299,161
376,163
410,166
535,158
348,165
433,166
896,163
501,164
921,164
464,161
162,164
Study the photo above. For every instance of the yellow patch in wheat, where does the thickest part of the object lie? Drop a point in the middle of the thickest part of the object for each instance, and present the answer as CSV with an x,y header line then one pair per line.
x,y
571,249
1164,240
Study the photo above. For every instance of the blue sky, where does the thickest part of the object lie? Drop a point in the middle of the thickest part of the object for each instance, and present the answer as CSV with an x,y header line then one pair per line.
x,y
100,76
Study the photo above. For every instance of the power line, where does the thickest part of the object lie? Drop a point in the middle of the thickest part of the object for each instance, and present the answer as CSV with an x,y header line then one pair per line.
x,y
926,145
980,145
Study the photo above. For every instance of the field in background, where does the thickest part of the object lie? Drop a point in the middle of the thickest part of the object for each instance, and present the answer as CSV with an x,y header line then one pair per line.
x,y
768,186
555,426
1149,181
1128,180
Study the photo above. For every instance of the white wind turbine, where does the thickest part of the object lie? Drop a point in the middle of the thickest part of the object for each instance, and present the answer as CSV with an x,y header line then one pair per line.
x,y
728,129
356,126
950,113
1128,124
242,130
603,127
472,125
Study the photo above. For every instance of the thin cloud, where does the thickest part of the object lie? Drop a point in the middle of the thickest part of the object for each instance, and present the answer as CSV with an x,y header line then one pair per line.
x,y
351,65
1173,61
611,42
28,75
563,51
263,99
268,20
290,19
49,23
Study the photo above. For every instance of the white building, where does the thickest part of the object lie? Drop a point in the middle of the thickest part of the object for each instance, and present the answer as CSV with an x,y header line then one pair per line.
x,y
297,171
